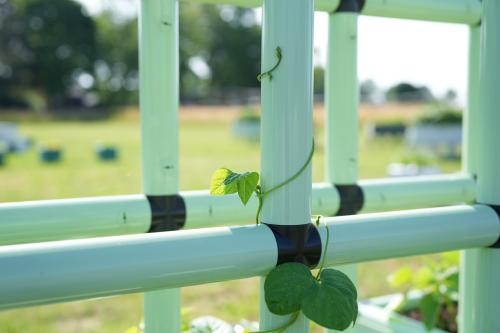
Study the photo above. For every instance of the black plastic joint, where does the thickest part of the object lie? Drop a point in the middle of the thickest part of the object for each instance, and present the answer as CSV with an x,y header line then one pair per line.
x,y
350,6
297,243
168,212
496,208
351,199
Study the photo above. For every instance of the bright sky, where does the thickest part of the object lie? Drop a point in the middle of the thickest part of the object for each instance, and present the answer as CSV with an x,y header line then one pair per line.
x,y
389,50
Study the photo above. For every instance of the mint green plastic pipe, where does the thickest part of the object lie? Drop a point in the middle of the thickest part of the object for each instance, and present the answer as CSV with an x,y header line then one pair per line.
x,y
159,96
470,145
286,128
46,220
43,273
341,94
376,236
320,5
470,156
159,104
481,289
451,11
417,192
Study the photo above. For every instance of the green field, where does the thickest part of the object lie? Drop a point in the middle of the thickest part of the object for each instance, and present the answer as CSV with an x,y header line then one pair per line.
x,y
205,145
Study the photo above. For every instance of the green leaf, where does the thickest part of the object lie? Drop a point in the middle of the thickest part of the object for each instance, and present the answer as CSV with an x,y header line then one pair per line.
x,y
285,287
450,258
401,278
332,302
451,282
247,183
429,307
223,182
423,278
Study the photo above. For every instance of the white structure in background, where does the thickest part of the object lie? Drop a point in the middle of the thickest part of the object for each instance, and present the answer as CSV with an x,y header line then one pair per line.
x,y
407,170
435,137
12,139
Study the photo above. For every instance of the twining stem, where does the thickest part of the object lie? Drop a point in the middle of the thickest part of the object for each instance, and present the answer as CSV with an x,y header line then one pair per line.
x,y
268,73
261,194
322,264
283,327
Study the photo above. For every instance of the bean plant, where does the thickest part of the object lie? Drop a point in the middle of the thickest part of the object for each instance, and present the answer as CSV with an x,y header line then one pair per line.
x,y
328,298
437,280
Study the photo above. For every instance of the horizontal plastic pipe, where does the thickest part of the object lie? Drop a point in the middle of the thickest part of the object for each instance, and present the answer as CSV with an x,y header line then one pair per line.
x,y
37,221
42,273
319,5
417,192
379,236
379,195
450,11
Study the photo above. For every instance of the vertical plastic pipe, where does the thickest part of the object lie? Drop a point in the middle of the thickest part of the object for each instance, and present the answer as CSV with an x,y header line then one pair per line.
x,y
341,142
286,123
470,146
159,63
470,149
341,96
482,289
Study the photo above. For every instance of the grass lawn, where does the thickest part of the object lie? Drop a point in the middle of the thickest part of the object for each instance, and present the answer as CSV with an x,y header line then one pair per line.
x,y
206,143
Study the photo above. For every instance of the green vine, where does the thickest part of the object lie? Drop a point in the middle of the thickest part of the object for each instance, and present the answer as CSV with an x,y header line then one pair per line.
x,y
224,181
329,298
268,73
261,194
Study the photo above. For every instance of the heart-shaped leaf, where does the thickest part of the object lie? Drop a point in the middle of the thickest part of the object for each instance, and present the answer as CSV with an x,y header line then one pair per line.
x,y
247,183
429,306
223,182
285,287
331,302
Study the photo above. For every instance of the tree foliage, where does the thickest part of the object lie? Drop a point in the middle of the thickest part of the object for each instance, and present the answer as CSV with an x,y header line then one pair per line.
x,y
53,51
44,45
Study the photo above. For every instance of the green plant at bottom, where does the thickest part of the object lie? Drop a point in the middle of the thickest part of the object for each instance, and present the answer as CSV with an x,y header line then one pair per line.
x,y
438,281
329,298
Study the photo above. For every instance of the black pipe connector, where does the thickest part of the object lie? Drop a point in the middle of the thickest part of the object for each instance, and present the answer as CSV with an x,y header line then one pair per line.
x,y
168,212
351,199
297,243
350,6
496,208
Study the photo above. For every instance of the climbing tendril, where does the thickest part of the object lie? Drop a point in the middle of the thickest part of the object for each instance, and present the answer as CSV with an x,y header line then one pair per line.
x,y
279,56
322,264
261,194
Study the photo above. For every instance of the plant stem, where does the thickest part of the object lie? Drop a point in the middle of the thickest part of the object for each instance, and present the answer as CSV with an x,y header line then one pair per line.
x,y
283,327
322,264
261,194
258,192
268,73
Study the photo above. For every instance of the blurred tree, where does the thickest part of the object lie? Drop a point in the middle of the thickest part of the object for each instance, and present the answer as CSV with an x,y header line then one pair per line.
x,y
367,91
56,54
116,67
195,37
48,46
406,92
234,51
319,80
450,96
219,50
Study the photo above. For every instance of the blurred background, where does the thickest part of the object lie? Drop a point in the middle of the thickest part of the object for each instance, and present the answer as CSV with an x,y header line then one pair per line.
x,y
69,121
